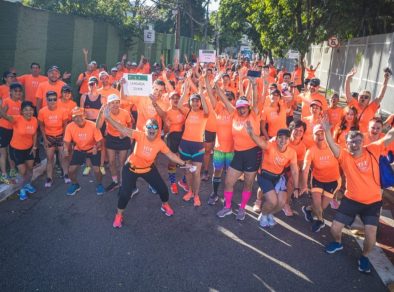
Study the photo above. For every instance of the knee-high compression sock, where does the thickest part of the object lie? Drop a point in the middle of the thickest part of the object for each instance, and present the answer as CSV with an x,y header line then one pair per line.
x,y
228,196
215,184
172,174
245,198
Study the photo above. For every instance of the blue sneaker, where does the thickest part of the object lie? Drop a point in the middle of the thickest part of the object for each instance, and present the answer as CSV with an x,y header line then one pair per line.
x,y
317,225
29,188
307,214
22,194
364,265
73,189
100,190
333,247
152,190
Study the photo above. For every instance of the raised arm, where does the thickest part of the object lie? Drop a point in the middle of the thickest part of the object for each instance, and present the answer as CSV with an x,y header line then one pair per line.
x,y
389,137
349,77
185,91
257,139
209,89
252,82
203,101
230,108
330,140
125,131
85,56
382,91
163,64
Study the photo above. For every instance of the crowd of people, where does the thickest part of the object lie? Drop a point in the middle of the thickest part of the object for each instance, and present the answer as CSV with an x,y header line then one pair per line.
x,y
237,115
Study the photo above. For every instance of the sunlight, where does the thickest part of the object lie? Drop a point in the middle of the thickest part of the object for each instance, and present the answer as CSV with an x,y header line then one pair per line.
x,y
264,283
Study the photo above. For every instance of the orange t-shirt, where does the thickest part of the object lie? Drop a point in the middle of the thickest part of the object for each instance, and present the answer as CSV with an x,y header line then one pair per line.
x,y
299,148
367,139
30,83
365,115
123,118
211,122
107,91
84,87
334,116
24,131
145,152
241,138
308,134
275,161
53,120
341,139
14,109
305,111
296,77
325,166
44,87
274,119
67,107
145,69
84,137
4,91
195,126
310,73
362,174
175,119
224,121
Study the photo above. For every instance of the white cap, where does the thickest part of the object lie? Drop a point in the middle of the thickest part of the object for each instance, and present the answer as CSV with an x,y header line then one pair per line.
x,y
241,103
112,97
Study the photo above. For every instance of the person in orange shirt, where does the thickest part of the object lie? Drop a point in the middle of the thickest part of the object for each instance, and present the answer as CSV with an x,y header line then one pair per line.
x,y
106,89
31,81
334,112
349,122
375,131
23,145
83,80
271,179
11,106
311,121
191,146
140,163
86,141
8,78
115,142
144,66
52,121
66,101
363,195
274,115
310,95
326,179
310,71
365,107
247,155
112,78
297,77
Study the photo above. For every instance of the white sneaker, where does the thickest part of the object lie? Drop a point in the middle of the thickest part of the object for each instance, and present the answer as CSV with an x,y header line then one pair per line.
x,y
263,221
271,220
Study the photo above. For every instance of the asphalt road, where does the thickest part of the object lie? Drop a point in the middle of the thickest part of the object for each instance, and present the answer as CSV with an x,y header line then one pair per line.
x,y
53,242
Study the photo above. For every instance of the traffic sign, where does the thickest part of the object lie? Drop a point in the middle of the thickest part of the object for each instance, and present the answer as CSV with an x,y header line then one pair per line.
x,y
149,36
333,42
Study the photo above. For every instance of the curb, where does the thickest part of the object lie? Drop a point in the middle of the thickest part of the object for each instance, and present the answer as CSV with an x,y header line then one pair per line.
x,y
8,190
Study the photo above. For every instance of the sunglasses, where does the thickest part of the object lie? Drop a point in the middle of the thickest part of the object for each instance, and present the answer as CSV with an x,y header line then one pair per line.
x,y
91,83
314,85
152,126
17,90
51,99
363,97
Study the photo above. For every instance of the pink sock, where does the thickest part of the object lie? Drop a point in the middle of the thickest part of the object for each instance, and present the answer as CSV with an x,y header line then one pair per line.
x,y
245,198
228,196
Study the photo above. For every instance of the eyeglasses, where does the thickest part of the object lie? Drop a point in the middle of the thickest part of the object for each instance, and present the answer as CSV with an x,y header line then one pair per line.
x,y
363,97
91,83
152,126
51,99
357,142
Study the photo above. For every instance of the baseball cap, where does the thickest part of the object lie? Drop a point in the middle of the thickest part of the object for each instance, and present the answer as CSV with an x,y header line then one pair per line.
x,y
103,73
316,102
317,128
114,69
112,97
93,79
134,64
315,82
77,111
66,88
53,68
16,85
93,63
51,93
242,103
195,96
283,132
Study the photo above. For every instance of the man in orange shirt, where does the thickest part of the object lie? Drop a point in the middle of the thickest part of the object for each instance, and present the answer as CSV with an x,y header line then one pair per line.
x,y
363,196
31,81
310,95
310,71
297,77
83,78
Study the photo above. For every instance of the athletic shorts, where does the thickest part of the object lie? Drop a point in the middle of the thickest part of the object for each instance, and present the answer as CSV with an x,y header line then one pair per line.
x,y
209,137
222,160
327,189
348,209
20,156
191,151
5,137
116,143
173,141
79,158
269,181
55,141
247,160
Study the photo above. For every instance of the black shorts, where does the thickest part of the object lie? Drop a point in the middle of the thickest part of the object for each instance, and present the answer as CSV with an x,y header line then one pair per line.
x,y
191,151
173,141
79,158
269,181
247,160
209,137
5,137
116,143
20,156
348,209
327,189
55,141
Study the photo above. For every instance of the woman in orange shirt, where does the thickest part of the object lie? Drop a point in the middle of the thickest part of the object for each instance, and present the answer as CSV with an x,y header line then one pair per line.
x,y
141,164
23,144
375,131
316,109
334,112
191,146
274,115
349,122
326,179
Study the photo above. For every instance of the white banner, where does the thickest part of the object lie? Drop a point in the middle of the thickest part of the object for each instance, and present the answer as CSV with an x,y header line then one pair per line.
x,y
137,84
207,56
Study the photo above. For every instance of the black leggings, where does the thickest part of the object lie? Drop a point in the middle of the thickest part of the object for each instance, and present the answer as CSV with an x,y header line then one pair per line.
x,y
129,179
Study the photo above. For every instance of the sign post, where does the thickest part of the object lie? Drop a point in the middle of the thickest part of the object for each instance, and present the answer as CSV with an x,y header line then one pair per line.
x,y
332,42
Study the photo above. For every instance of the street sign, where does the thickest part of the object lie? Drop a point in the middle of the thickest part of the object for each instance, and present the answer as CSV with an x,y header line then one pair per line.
x,y
207,56
293,54
149,36
137,84
333,42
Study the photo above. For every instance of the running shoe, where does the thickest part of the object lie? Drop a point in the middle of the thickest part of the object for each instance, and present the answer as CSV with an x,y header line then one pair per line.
x,y
102,170
86,171
5,179
100,190
134,192
205,176
364,266
257,206
22,194
48,183
67,180
224,212
13,172
152,190
183,185
73,189
333,247
29,188
317,225
197,202
112,186
188,196
166,208
287,210
213,199
271,220
263,220
307,214
174,189
241,214
118,221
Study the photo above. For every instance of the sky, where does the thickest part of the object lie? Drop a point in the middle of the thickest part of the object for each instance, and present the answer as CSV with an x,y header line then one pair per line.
x,y
213,4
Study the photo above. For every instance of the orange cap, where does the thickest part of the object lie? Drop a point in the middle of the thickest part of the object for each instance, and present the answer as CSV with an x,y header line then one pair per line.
x,y
77,111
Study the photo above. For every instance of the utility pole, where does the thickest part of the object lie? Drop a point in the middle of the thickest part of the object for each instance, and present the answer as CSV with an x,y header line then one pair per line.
x,y
217,26
177,29
206,27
